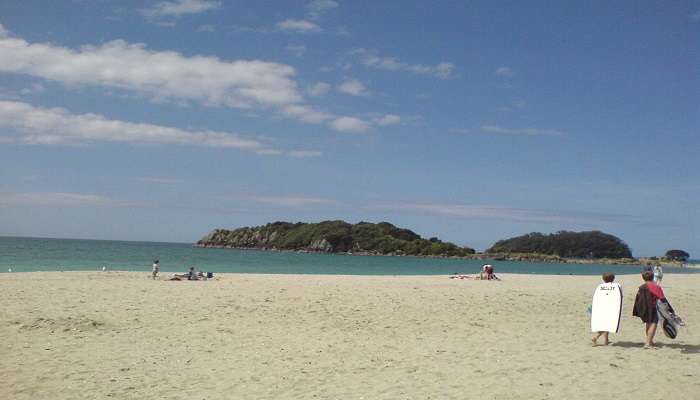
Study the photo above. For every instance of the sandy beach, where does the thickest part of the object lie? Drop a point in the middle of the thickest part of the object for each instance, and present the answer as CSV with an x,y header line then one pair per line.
x,y
120,335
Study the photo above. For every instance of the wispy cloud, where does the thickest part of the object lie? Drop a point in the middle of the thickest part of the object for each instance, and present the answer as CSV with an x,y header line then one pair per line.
x,y
695,17
318,89
388,119
293,201
304,153
57,199
373,60
298,26
515,214
504,72
163,75
54,126
307,114
179,8
350,124
353,87
520,131
317,8
32,89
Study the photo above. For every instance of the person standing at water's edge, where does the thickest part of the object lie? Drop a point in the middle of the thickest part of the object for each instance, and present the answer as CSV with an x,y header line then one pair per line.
x,y
645,306
156,268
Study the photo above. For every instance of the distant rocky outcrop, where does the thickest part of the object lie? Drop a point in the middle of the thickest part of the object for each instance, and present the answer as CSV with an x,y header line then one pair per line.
x,y
565,244
333,237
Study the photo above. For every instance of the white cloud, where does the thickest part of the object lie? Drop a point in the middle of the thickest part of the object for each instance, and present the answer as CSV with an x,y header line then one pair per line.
x,y
296,49
522,131
57,199
304,153
695,17
178,8
162,75
48,126
388,119
353,87
318,7
298,25
306,114
318,89
372,60
350,124
504,71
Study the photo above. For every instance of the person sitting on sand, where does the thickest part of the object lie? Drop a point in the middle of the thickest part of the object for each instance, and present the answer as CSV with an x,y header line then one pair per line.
x,y
483,273
489,273
190,275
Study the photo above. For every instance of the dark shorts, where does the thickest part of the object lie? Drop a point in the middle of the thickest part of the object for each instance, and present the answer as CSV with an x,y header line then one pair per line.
x,y
653,318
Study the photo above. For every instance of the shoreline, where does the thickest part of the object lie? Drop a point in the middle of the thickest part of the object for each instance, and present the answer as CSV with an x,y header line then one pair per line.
x,y
514,257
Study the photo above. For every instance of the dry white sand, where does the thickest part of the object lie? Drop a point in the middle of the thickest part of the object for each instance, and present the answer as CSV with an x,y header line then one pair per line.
x,y
120,335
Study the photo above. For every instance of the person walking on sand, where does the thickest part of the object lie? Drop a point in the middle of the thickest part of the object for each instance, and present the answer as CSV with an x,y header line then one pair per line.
x,y
645,307
608,283
658,274
156,268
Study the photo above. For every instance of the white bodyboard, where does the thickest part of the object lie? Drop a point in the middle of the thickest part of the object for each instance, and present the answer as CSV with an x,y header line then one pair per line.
x,y
606,308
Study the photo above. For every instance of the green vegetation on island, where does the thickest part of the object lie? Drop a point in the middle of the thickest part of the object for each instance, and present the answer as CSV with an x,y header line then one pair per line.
x,y
580,245
334,237
677,255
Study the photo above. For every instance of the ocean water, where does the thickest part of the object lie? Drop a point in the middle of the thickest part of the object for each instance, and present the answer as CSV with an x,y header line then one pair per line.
x,y
23,254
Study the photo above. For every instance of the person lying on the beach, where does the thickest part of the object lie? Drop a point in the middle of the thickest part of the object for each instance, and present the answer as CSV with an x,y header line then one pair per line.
x,y
191,275
480,277
457,276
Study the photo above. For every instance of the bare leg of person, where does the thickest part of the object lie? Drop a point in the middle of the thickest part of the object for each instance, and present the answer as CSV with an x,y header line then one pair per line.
x,y
650,332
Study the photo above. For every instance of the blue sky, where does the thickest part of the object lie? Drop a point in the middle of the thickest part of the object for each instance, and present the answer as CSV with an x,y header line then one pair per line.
x,y
471,121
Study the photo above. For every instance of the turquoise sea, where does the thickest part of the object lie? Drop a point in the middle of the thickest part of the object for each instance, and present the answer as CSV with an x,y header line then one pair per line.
x,y
23,254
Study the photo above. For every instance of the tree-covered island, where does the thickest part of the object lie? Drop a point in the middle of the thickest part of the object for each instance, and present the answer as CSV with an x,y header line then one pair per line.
x,y
333,237
565,244
366,238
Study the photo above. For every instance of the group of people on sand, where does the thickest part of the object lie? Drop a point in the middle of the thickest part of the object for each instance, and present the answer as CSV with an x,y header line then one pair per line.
x,y
649,297
190,275
486,274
